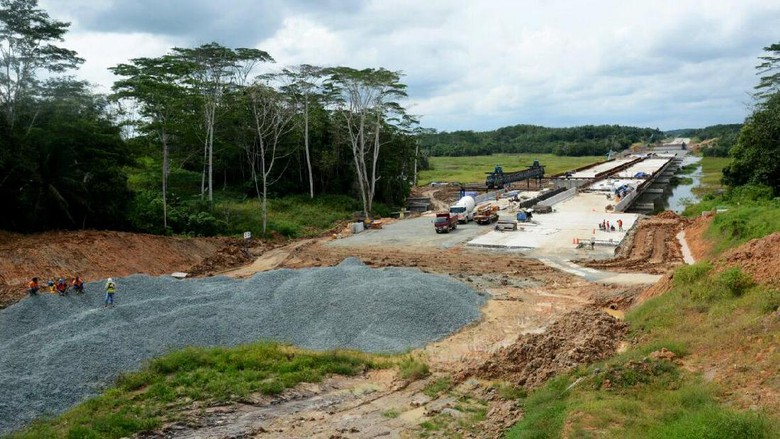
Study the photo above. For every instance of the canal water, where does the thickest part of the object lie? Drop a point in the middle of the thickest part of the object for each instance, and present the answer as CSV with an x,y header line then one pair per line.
x,y
674,197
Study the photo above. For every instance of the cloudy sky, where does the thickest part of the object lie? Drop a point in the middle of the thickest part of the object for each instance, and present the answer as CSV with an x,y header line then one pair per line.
x,y
474,64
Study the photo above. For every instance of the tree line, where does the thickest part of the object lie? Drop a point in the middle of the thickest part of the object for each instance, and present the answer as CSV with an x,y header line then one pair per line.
x,y
573,141
758,144
224,113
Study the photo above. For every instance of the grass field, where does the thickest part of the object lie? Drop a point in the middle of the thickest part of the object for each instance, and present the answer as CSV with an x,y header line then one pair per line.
x,y
712,170
473,169
158,393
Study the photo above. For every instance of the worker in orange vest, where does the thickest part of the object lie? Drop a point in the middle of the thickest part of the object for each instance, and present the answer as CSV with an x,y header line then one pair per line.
x,y
33,286
78,284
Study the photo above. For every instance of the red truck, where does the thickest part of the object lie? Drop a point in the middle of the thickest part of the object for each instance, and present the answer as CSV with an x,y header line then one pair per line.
x,y
445,222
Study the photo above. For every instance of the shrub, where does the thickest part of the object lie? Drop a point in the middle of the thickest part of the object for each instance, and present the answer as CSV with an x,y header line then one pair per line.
x,y
734,281
413,369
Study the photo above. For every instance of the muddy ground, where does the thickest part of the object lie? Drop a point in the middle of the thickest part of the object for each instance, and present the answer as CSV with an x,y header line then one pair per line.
x,y
527,297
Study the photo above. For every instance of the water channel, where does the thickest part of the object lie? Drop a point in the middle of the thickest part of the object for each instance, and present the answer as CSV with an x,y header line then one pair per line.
x,y
675,196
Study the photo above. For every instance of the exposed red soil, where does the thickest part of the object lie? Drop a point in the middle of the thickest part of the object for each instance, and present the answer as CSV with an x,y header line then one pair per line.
x,y
758,257
652,247
94,255
579,337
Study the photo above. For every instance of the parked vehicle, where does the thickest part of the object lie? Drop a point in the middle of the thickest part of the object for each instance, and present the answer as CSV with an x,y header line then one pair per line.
x,y
486,214
444,222
463,209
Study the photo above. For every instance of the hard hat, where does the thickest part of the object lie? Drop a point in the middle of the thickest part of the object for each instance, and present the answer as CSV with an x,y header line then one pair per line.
x,y
110,280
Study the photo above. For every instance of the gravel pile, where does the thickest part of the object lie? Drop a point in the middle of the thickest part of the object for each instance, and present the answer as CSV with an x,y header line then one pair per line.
x,y
56,351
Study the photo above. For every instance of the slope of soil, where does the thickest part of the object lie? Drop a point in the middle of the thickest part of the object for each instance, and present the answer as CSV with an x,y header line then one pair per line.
x,y
94,255
701,248
758,257
653,248
579,337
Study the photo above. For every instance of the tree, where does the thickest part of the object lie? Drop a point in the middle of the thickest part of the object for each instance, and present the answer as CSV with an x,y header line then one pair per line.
x,y
272,115
303,86
26,36
755,154
216,69
769,67
365,100
157,85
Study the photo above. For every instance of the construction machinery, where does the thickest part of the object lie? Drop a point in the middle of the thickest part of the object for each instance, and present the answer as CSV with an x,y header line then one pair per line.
x,y
463,209
486,214
498,178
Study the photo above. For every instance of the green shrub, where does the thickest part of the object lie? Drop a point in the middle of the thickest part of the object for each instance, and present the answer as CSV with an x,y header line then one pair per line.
x,y
434,388
688,275
734,281
413,369
770,301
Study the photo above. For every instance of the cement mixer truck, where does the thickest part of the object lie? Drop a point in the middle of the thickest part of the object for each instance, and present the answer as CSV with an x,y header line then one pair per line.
x,y
463,209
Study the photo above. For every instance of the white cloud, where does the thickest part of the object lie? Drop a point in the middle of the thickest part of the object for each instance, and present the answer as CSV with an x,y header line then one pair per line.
x,y
473,64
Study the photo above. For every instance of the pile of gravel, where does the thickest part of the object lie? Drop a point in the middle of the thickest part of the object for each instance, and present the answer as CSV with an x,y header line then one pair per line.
x,y
56,351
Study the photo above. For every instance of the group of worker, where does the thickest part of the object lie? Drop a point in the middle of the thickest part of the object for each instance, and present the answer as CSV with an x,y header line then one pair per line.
x,y
77,285
605,226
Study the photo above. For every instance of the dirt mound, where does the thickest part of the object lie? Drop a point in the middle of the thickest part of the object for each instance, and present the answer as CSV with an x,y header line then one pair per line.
x,y
652,247
94,255
700,247
579,337
234,254
759,257
663,286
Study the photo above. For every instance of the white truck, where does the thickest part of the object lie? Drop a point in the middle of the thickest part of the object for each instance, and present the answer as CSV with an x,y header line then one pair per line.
x,y
464,209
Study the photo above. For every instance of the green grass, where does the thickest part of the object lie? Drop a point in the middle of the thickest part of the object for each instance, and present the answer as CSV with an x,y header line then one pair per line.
x,y
295,216
708,314
473,169
437,386
413,369
712,173
146,399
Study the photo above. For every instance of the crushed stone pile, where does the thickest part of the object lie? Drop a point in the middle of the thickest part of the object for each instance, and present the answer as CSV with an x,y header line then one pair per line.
x,y
56,351
579,337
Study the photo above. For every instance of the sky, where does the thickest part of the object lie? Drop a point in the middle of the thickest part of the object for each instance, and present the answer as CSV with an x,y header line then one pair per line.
x,y
473,64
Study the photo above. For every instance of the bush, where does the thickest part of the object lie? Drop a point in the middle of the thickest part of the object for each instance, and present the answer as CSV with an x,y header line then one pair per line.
x,y
413,369
688,275
734,281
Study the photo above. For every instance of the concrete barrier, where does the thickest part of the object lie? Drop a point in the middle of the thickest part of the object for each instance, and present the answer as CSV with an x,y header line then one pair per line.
x,y
565,195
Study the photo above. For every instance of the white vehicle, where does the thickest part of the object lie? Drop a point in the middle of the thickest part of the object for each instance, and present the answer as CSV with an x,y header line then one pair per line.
x,y
463,209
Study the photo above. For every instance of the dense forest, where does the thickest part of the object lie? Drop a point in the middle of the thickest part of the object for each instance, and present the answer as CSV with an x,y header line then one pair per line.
x,y
184,130
575,141
185,134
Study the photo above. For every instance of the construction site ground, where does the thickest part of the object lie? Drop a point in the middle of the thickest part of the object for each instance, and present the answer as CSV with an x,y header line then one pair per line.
x,y
527,295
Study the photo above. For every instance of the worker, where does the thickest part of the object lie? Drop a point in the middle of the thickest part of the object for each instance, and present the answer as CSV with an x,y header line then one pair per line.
x,y
110,290
33,286
620,225
52,288
78,285
62,287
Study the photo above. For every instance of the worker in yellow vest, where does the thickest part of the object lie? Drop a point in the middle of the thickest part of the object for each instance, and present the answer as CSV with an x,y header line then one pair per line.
x,y
110,290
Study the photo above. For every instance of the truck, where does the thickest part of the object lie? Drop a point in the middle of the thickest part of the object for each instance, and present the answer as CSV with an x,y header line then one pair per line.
x,y
444,222
463,209
486,214
498,178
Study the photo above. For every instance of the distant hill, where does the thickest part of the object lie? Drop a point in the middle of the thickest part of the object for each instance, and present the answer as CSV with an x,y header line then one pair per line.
x,y
574,141
723,136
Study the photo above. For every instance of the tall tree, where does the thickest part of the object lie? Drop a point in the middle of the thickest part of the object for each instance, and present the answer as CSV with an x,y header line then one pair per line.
x,y
157,84
27,34
769,69
217,68
272,114
755,154
366,100
304,83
